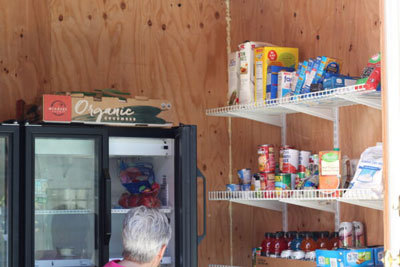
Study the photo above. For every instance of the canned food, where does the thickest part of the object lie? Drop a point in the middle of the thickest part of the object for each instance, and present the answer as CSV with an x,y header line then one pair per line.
x,y
232,187
298,255
290,161
346,234
314,159
245,187
244,176
281,149
266,158
310,256
300,179
286,254
359,239
304,160
283,181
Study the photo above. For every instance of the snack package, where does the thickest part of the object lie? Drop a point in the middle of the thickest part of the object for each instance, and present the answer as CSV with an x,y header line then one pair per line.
x,y
313,66
280,58
301,78
371,75
246,90
369,171
327,64
336,81
233,77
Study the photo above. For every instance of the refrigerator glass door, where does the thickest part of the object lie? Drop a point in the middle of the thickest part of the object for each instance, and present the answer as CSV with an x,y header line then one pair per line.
x,y
142,173
65,201
4,176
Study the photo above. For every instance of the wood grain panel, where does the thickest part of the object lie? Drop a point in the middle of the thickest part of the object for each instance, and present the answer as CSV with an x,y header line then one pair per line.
x,y
161,49
349,30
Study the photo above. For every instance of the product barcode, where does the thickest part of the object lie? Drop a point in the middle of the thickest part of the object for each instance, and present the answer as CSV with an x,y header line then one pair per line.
x,y
333,262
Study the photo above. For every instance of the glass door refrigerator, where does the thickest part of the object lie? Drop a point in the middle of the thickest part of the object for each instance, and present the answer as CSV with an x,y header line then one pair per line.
x,y
9,197
82,180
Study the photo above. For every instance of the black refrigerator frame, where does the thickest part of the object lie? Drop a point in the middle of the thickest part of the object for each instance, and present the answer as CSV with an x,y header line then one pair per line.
x,y
186,237
12,131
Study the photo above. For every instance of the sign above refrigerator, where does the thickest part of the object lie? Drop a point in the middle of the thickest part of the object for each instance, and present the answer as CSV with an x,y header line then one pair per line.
x,y
108,107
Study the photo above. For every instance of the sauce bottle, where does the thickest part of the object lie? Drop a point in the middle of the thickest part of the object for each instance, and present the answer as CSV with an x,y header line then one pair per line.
x,y
271,248
296,242
290,237
323,241
308,243
265,245
334,242
279,244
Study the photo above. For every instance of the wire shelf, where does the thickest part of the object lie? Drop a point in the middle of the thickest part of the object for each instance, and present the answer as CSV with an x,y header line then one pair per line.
x,y
124,211
321,199
53,212
320,104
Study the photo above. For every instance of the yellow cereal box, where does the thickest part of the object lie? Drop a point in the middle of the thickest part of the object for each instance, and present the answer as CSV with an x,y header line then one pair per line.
x,y
285,57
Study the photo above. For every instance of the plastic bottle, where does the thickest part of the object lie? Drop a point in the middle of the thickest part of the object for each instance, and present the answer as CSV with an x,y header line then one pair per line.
x,y
279,244
334,242
308,243
271,248
296,242
290,237
323,241
265,245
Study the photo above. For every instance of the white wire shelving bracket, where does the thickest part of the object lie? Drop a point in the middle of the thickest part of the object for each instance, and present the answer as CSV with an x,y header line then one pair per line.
x,y
321,199
321,104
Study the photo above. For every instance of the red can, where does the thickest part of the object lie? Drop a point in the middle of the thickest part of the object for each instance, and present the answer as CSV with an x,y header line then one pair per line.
x,y
266,158
281,149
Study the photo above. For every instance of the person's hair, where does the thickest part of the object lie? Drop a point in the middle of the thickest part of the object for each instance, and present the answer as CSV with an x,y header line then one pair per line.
x,y
144,232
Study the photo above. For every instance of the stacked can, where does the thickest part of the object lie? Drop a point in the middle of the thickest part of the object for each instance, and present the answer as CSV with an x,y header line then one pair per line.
x,y
351,234
304,162
290,165
266,166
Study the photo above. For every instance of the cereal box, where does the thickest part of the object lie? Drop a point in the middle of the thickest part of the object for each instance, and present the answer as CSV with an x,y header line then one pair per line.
x,y
271,56
246,91
284,83
233,77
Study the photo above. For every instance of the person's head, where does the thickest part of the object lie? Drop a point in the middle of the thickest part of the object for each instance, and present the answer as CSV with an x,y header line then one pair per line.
x,y
145,235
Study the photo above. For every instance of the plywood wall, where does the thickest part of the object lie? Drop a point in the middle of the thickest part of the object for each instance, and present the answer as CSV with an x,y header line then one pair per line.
x,y
349,30
161,49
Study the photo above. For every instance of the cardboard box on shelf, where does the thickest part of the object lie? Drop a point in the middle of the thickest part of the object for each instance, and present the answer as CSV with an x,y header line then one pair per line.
x,y
278,262
95,108
345,257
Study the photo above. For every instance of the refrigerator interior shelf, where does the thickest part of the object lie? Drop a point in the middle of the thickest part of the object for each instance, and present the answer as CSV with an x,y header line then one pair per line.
x,y
321,104
52,212
320,199
124,211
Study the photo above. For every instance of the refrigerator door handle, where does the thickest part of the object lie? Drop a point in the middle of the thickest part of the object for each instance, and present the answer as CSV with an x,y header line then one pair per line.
x,y
107,223
203,235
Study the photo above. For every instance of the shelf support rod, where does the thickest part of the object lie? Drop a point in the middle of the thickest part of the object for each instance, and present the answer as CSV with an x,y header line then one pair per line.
x,y
285,226
336,143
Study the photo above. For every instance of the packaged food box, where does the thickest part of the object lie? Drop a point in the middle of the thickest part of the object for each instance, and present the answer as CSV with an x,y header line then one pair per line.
x,y
272,80
233,77
271,56
345,257
378,256
327,64
329,169
96,108
338,81
285,83
246,50
371,75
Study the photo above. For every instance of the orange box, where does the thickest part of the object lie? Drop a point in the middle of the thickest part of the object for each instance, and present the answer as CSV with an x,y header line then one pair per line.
x,y
329,169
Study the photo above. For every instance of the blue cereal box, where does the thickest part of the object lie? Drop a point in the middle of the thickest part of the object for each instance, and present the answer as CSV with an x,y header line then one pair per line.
x,y
345,257
301,78
378,256
272,80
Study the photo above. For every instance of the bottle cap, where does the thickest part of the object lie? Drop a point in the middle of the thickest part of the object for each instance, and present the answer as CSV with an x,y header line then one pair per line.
x,y
336,149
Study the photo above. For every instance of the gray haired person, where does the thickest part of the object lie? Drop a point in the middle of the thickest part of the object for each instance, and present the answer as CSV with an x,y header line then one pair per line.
x,y
145,236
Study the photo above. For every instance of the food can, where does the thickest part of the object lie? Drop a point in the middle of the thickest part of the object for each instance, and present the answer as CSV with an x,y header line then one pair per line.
x,y
283,181
304,160
258,251
245,187
281,149
346,235
270,187
314,159
244,176
232,187
266,158
299,180
287,254
359,238
298,255
290,160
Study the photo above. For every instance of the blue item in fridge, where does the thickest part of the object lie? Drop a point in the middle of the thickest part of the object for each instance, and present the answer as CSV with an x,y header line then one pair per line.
x,y
137,177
